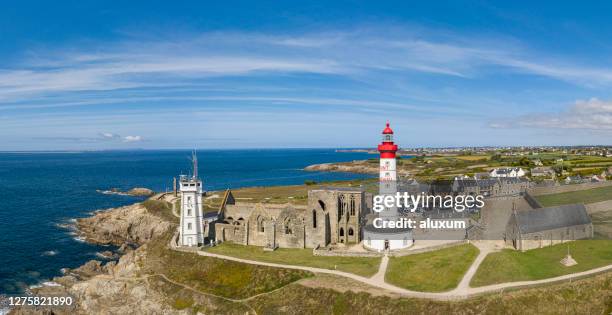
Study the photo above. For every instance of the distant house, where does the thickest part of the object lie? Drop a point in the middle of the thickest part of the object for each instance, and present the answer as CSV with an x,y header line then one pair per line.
x,y
576,179
542,171
537,162
491,187
597,178
507,172
542,227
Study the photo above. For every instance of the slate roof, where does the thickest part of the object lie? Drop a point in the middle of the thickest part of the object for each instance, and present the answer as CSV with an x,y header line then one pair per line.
x,y
543,219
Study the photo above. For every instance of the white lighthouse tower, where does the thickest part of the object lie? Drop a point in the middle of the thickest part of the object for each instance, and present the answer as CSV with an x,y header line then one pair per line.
x,y
387,239
192,228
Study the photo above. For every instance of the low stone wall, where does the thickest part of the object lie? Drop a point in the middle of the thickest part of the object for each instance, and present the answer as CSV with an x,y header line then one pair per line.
x,y
599,206
532,201
566,188
343,253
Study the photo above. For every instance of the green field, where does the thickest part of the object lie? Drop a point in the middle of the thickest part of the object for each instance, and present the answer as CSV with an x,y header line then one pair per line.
x,y
363,266
216,276
510,265
435,271
581,196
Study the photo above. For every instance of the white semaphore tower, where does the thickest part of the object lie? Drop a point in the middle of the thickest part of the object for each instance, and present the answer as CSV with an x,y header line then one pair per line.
x,y
192,228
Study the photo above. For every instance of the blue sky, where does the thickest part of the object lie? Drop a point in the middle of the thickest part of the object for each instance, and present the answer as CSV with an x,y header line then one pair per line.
x,y
252,74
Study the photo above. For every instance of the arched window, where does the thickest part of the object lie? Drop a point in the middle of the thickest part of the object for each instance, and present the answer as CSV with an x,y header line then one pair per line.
x,y
341,231
314,219
322,204
341,206
352,205
287,226
260,224
350,231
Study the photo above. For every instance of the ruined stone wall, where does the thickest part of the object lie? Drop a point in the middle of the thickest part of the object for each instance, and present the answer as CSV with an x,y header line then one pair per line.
x,y
226,232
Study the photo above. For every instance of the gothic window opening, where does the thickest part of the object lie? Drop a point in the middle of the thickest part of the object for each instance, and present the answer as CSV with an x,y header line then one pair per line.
x,y
352,205
322,204
350,232
260,225
314,219
288,229
341,231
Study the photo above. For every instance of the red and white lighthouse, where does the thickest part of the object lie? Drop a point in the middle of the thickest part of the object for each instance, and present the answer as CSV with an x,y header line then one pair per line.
x,y
377,236
387,151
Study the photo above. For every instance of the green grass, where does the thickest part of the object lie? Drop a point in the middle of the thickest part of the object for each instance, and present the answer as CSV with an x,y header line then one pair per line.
x,y
510,265
363,266
216,276
586,296
160,208
435,271
581,196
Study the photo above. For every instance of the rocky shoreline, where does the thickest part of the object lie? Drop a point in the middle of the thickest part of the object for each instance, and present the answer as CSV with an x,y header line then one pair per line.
x,y
115,285
360,167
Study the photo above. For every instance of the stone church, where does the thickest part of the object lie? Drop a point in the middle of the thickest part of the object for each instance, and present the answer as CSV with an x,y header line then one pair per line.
x,y
331,216
542,227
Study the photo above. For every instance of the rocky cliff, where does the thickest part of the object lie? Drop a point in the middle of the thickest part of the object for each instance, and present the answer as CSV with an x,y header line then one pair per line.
x,y
130,224
114,287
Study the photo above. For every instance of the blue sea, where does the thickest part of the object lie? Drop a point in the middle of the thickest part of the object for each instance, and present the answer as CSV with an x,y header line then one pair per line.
x,y
41,192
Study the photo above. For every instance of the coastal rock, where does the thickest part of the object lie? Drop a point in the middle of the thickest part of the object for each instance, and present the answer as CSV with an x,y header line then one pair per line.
x,y
114,287
140,192
89,269
360,167
131,224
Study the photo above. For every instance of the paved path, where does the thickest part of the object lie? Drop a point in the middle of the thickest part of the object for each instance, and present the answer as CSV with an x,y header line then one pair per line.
x,y
464,285
463,291
379,277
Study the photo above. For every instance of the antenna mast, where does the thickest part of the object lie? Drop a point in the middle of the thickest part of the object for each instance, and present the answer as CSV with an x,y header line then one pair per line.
x,y
194,159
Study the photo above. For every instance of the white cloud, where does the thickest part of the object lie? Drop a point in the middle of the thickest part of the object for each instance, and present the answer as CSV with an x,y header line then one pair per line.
x,y
349,53
109,136
592,114
132,139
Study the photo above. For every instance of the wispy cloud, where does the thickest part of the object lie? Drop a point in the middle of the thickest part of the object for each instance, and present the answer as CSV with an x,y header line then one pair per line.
x,y
102,137
592,114
351,54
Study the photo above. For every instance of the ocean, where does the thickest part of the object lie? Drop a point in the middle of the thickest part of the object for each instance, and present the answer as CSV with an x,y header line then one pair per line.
x,y
42,192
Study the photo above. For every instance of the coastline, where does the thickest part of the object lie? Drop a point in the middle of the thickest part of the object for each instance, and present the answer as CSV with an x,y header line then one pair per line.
x,y
129,229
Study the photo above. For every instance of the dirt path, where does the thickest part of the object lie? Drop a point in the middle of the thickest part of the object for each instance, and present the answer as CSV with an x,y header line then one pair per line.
x,y
379,277
462,291
464,285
